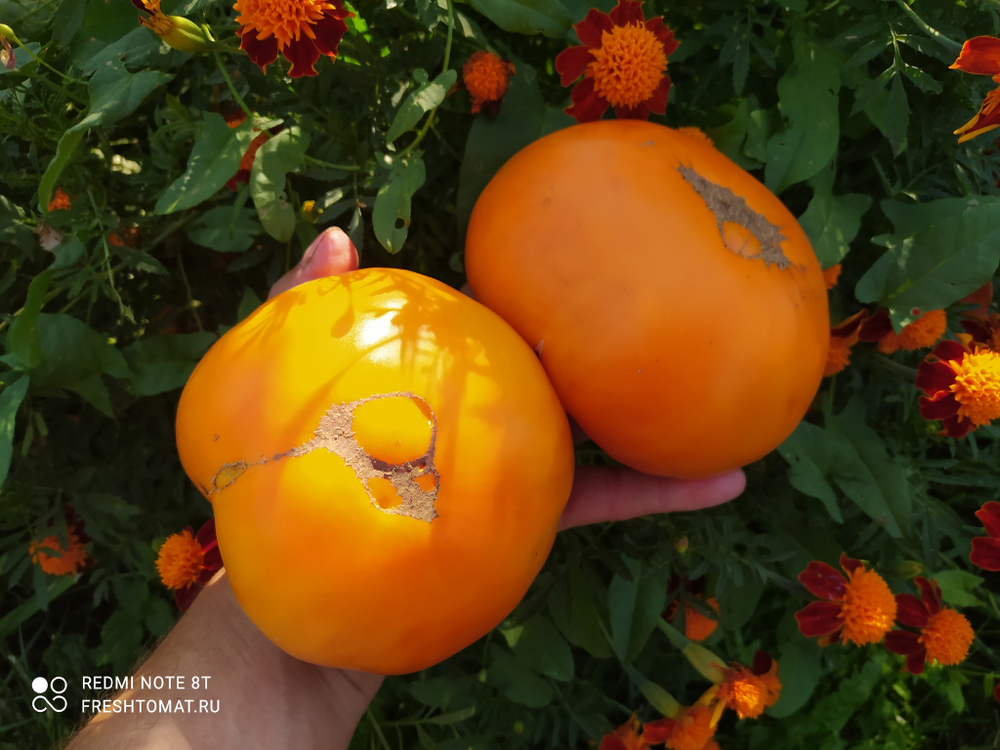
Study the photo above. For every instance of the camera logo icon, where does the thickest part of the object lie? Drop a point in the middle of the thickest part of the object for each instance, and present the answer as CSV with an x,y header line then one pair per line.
x,y
41,702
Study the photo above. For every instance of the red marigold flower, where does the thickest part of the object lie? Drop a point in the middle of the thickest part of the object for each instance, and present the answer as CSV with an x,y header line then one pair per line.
x,y
830,276
187,561
486,77
301,30
623,61
625,737
60,202
981,55
859,608
842,337
986,549
945,635
984,329
923,332
749,692
962,384
49,555
691,729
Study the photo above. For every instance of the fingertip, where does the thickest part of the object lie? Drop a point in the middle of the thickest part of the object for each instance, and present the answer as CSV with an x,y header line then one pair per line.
x,y
332,253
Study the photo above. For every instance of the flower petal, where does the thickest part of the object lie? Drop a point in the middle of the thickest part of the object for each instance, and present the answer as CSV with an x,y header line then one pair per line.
x,y
664,34
850,325
627,12
944,406
985,553
328,31
590,29
849,564
571,62
639,112
934,378
262,52
979,55
986,119
875,326
184,596
902,642
657,101
823,581
949,350
819,618
761,662
911,611
661,730
930,594
915,661
956,427
587,105
989,515
302,54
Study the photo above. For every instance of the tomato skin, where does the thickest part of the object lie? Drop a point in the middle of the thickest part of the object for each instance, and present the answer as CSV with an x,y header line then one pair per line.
x,y
324,573
675,353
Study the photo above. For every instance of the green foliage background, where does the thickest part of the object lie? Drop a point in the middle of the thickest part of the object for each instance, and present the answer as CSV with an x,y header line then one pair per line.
x,y
845,108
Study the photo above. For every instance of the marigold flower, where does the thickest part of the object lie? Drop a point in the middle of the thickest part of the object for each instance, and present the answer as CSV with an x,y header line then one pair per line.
x,y
187,561
859,608
49,555
830,276
923,332
180,33
486,77
623,61
697,626
962,384
842,337
982,298
749,692
625,737
981,56
691,729
986,549
60,202
301,30
984,329
945,635
7,58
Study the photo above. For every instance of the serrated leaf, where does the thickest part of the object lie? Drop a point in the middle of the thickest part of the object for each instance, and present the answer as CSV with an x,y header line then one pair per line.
x,y
116,93
281,154
426,97
391,214
548,17
214,159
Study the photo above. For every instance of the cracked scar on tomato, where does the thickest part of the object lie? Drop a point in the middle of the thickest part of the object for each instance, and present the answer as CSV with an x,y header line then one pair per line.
x,y
408,488
732,209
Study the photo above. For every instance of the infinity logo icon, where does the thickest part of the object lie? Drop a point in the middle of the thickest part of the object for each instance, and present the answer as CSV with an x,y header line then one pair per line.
x,y
41,685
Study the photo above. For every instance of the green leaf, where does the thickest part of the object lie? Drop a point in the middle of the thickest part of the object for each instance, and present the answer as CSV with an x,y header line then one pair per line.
x,y
64,154
516,681
634,608
808,99
163,363
897,116
657,696
214,159
940,263
832,222
13,619
391,215
737,606
540,646
805,451
574,611
281,154
800,670
225,229
548,17
450,691
121,639
157,616
426,97
13,228
10,400
956,587
116,93
22,338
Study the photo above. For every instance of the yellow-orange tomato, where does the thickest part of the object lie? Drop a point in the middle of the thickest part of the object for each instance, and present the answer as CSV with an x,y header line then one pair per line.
x,y
387,464
675,303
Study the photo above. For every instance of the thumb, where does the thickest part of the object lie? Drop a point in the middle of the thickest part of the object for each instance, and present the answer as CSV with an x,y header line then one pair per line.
x,y
330,254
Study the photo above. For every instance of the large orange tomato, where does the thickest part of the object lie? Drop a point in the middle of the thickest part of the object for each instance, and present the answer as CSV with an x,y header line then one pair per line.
x,y
387,464
676,304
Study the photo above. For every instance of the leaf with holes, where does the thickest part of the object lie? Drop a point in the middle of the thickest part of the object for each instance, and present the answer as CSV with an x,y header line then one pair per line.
x,y
391,215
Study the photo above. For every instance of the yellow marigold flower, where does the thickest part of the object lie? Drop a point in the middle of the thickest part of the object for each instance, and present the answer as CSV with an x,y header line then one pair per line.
x,y
962,385
830,276
486,77
691,729
187,561
59,561
859,608
301,30
750,692
60,202
180,33
945,635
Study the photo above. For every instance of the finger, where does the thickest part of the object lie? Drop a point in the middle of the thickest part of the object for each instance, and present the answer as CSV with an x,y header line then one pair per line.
x,y
612,494
329,254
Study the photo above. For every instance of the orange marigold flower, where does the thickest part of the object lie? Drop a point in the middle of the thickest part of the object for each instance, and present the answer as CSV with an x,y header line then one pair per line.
x,y
60,202
984,328
187,561
945,635
625,737
859,608
830,276
986,549
691,729
749,692
697,626
49,555
962,384
925,331
623,61
486,77
301,30
981,55
842,337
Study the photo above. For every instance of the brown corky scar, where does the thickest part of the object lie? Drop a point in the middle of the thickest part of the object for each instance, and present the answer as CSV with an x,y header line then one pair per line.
x,y
727,206
335,433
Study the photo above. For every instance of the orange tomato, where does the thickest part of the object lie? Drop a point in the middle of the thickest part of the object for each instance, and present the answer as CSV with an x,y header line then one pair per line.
x,y
675,303
387,464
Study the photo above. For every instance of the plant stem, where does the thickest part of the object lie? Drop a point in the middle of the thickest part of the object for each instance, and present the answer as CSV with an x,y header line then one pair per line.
x,y
932,33
326,165
447,59
232,88
40,61
192,303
